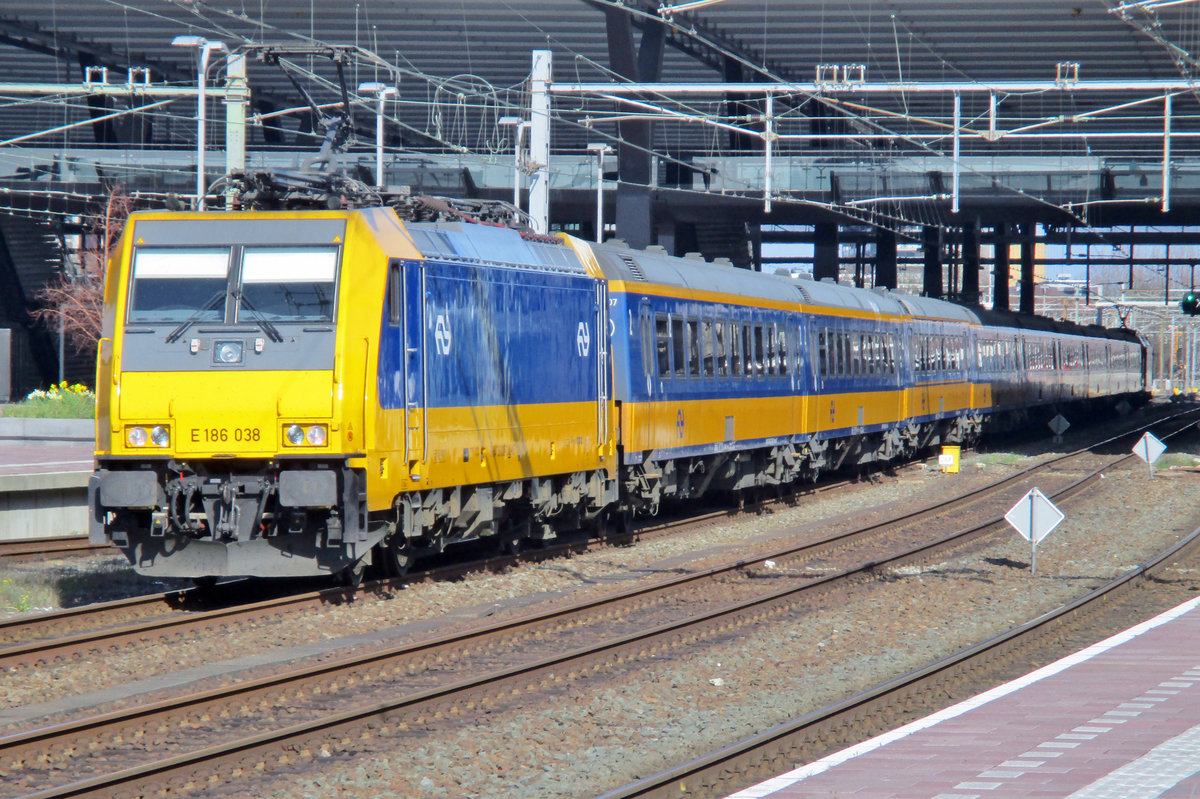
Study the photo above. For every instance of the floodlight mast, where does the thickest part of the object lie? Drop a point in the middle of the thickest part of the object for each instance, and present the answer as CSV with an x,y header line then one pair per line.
x,y
206,49
520,127
381,91
599,150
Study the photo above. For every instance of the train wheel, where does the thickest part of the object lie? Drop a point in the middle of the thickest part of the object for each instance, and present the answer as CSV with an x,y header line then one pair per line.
x,y
612,526
510,538
397,557
352,575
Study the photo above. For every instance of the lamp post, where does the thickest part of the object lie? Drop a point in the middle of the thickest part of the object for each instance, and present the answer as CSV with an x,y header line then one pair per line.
x,y
599,150
206,49
519,128
381,91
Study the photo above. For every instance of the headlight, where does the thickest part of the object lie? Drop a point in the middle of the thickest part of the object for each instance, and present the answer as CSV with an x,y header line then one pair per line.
x,y
136,436
227,352
161,436
313,435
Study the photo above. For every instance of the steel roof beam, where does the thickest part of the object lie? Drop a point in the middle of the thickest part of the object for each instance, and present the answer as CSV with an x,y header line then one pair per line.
x,y
924,87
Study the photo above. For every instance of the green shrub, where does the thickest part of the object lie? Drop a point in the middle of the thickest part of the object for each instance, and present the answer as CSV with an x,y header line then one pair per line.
x,y
57,402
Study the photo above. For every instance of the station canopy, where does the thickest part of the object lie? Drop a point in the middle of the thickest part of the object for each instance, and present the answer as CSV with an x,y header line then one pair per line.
x,y
1034,87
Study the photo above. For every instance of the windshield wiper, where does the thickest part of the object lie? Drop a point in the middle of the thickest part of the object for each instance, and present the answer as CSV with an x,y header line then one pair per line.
x,y
174,335
268,328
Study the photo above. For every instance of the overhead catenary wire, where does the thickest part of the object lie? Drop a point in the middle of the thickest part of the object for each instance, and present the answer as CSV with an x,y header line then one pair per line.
x,y
206,18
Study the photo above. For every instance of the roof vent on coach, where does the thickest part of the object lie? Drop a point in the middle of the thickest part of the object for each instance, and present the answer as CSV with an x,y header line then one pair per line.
x,y
634,268
694,256
657,249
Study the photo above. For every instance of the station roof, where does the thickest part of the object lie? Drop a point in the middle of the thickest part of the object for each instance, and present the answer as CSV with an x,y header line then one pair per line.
x,y
462,65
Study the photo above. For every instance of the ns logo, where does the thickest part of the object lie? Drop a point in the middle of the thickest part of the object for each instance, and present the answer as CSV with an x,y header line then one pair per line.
x,y
441,335
583,340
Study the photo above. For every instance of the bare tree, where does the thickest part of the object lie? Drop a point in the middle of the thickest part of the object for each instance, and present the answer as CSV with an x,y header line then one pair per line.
x,y
76,298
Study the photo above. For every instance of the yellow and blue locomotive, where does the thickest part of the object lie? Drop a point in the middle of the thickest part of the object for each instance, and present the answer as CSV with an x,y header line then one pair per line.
x,y
281,392
301,392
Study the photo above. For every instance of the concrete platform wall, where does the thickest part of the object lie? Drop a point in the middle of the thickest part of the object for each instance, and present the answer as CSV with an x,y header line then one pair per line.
x,y
39,497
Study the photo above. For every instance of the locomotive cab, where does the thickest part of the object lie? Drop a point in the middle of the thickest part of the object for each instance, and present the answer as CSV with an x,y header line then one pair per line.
x,y
224,434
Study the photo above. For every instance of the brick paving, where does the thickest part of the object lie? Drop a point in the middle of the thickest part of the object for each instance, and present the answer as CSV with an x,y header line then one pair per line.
x,y
1117,720
17,458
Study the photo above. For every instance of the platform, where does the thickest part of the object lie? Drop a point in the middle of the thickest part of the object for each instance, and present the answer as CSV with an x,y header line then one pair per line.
x,y
43,488
1119,719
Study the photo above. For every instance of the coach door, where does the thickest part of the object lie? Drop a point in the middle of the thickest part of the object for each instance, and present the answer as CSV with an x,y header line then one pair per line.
x,y
602,381
416,382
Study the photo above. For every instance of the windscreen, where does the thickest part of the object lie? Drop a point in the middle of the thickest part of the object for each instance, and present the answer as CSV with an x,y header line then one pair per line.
x,y
172,285
288,284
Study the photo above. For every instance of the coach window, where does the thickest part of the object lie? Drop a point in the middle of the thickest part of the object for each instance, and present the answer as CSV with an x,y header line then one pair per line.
x,y
783,352
748,353
735,348
721,352
678,347
663,344
822,355
706,343
769,356
694,354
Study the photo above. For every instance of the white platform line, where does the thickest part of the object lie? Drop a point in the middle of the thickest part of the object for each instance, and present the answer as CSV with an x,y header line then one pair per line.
x,y
824,764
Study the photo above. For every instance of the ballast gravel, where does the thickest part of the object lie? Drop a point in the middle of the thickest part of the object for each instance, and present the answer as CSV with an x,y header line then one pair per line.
x,y
630,722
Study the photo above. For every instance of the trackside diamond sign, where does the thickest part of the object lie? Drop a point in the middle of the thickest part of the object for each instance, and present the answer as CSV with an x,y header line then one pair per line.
x,y
1149,449
1034,517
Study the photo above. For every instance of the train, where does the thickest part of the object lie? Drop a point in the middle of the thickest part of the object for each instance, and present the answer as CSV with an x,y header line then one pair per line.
x,y
287,392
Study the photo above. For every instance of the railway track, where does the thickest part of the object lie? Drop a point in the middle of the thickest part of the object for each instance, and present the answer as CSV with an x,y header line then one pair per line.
x,y
889,705
59,635
54,546
415,685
